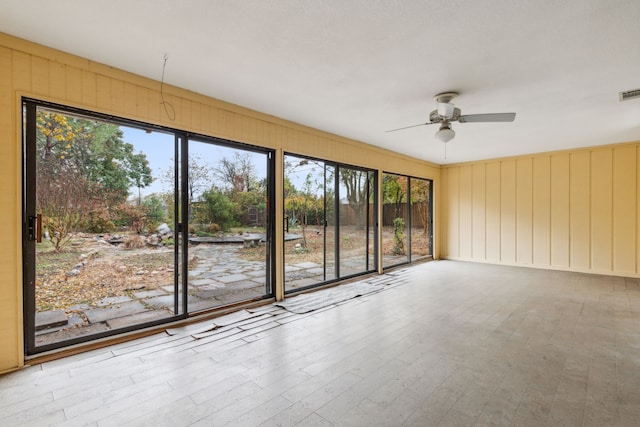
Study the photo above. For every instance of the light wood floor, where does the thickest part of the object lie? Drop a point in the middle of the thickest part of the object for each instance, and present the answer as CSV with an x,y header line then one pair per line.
x,y
444,344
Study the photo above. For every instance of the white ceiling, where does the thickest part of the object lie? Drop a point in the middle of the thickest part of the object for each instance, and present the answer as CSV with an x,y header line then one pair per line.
x,y
358,68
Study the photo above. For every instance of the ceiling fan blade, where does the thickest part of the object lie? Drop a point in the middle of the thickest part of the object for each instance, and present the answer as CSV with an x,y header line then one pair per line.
x,y
491,117
412,126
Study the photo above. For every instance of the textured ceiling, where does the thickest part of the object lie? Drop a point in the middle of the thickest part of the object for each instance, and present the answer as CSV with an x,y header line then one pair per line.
x,y
358,68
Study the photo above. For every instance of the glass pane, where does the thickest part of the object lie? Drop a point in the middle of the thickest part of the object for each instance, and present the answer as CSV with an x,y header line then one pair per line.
x,y
105,194
227,198
354,224
330,223
372,242
315,205
394,220
420,219
308,213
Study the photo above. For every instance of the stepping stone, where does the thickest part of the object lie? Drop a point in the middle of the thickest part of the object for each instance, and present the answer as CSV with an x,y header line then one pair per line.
x,y
113,300
65,334
304,265
232,278
200,282
50,319
161,301
149,294
198,305
136,319
241,295
113,312
246,284
256,274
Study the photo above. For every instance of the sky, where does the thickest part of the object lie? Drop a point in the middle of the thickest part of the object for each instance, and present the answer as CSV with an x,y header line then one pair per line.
x,y
159,149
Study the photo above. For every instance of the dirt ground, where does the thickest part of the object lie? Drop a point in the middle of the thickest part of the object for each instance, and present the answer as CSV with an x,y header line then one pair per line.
x,y
103,270
88,270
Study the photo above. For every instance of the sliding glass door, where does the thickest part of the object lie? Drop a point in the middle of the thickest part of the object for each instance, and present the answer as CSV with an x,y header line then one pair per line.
x,y
229,232
128,225
101,249
329,222
407,220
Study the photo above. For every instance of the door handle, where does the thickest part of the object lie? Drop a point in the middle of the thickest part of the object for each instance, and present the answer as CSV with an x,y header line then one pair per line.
x,y
31,227
39,228
34,227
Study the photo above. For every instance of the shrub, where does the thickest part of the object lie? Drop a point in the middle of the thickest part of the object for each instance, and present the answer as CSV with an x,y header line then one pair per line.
x,y
398,236
134,242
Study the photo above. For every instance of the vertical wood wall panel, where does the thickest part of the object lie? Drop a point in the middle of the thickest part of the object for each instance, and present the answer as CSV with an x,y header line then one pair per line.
x,y
21,69
637,180
601,210
89,92
580,210
524,211
57,80
508,211
479,226
40,75
442,217
576,210
624,210
128,105
453,213
541,205
465,228
116,92
74,85
142,102
493,212
559,210
10,317
104,94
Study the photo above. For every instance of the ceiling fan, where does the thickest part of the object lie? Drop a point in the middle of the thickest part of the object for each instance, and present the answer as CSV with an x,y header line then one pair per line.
x,y
446,113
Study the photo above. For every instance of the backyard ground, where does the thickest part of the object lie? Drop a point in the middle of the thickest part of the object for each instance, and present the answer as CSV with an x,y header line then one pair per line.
x,y
89,269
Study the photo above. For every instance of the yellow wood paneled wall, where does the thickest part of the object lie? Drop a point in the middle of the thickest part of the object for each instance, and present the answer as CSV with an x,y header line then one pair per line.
x,y
575,210
32,70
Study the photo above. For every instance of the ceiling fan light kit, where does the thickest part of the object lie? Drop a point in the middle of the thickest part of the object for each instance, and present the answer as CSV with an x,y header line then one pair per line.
x,y
446,113
445,110
445,133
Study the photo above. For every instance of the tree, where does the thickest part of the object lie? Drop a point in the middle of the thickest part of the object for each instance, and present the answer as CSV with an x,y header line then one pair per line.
x,y
85,169
307,203
394,190
140,172
199,177
66,200
215,208
421,196
154,208
95,149
237,174
358,187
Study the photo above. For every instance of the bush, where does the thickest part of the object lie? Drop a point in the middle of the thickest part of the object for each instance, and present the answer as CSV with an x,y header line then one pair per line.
x,y
132,216
134,242
215,207
99,221
398,236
